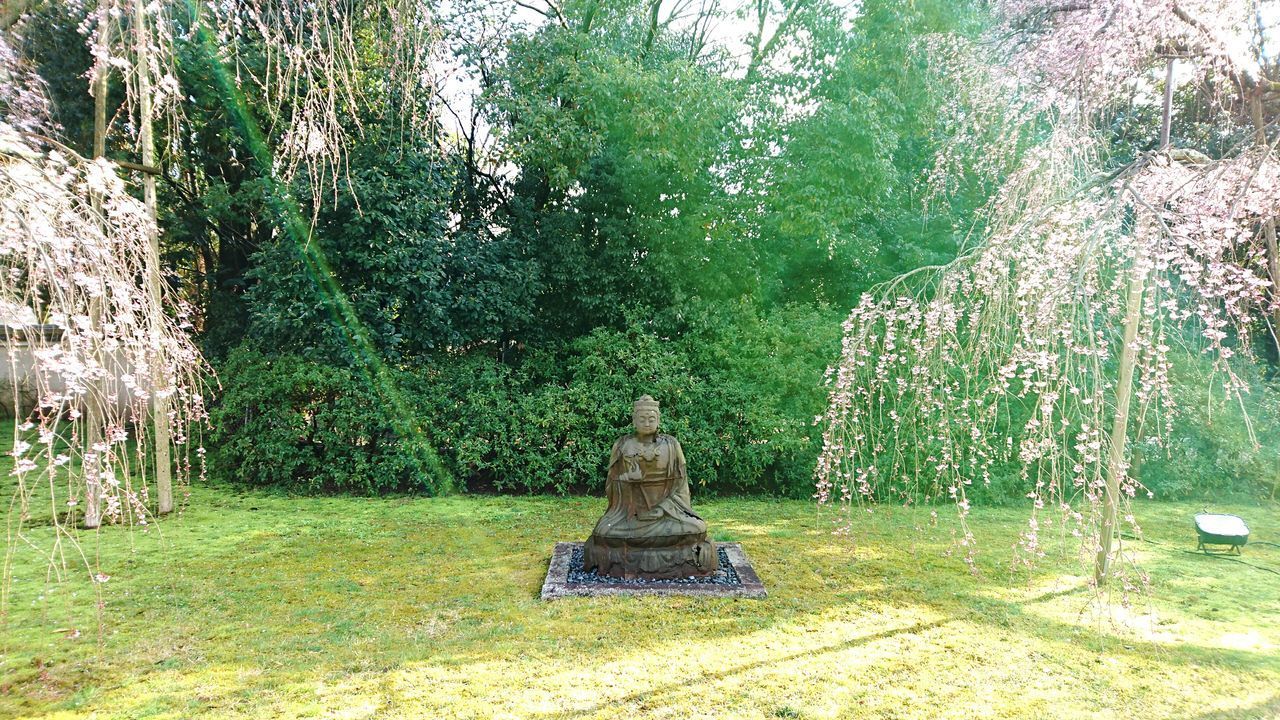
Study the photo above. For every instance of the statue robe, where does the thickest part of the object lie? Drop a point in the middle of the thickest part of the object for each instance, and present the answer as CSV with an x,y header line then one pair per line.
x,y
649,527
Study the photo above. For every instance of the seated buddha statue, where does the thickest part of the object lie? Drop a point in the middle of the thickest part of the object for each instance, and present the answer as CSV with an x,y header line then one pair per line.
x,y
649,529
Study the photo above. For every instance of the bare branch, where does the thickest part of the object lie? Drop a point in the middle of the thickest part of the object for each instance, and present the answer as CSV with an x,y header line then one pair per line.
x,y
551,12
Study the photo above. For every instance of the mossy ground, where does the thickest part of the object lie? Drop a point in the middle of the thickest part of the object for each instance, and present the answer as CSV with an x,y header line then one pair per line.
x,y
253,605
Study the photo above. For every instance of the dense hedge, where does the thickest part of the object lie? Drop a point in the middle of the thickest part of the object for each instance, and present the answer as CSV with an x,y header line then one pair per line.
x,y
740,392
290,422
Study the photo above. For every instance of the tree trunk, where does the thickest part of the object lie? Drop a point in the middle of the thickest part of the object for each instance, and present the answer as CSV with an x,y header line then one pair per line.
x,y
159,403
1273,268
1166,118
1120,427
1116,468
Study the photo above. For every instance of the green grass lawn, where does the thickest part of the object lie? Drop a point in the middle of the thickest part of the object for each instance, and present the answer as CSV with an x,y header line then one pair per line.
x,y
259,606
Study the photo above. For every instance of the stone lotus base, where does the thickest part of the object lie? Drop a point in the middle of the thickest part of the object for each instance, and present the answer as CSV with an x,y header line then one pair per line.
x,y
734,578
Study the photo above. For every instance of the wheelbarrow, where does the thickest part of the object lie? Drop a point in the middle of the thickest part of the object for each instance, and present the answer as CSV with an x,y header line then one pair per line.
x,y
1215,529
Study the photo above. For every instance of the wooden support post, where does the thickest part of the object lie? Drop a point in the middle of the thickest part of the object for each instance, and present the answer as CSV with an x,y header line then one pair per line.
x,y
159,403
93,411
1120,426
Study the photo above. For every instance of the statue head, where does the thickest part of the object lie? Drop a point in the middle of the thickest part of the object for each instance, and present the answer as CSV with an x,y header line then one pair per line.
x,y
645,415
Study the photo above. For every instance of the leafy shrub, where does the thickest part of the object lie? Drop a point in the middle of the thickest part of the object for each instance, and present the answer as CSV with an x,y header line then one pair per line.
x,y
310,427
742,408
740,390
546,424
1210,454
413,287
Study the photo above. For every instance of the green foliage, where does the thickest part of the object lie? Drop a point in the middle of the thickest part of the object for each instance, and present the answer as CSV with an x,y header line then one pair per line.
x,y
844,206
287,422
413,288
216,218
53,42
641,246
669,230
650,177
618,194
1218,447
740,394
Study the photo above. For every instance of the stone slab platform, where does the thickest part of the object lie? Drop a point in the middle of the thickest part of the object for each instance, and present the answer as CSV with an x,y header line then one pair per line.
x,y
558,585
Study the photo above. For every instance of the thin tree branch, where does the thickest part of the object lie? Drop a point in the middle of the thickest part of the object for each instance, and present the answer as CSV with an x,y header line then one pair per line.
x,y
551,12
784,27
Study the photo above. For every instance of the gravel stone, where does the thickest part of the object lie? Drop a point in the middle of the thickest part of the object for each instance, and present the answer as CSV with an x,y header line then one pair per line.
x,y
725,575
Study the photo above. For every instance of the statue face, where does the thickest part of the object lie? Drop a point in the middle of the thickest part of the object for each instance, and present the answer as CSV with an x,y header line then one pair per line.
x,y
646,421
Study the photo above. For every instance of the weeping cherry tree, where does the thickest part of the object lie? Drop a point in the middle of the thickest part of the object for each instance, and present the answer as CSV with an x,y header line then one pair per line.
x,y
1047,346
88,345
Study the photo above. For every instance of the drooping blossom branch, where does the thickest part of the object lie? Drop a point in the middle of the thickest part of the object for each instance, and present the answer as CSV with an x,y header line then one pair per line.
x,y
311,65
1008,357
142,55
88,344
22,98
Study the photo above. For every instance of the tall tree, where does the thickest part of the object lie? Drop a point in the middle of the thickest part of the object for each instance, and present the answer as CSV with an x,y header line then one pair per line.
x,y
616,133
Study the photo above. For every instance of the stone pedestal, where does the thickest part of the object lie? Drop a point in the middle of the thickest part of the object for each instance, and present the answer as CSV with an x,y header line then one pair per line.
x,y
734,578
650,557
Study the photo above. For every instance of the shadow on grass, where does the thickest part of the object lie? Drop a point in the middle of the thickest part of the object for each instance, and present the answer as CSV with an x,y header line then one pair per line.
x,y
485,573
682,686
1269,708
